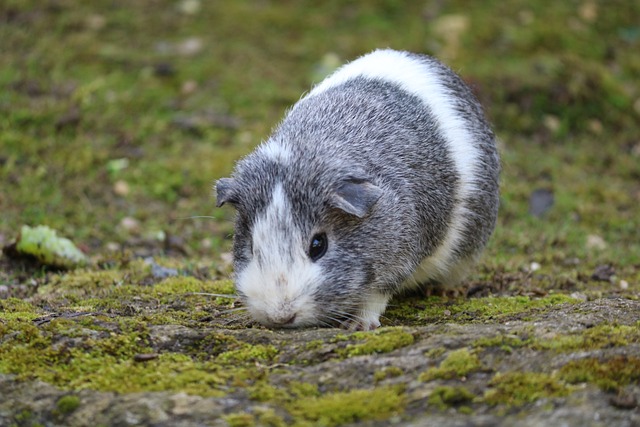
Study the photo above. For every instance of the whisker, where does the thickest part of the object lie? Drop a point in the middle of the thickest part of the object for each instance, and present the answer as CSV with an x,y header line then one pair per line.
x,y
196,217
241,318
232,296
341,317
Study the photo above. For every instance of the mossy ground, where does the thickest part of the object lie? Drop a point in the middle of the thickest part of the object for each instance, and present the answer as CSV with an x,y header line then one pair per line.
x,y
116,118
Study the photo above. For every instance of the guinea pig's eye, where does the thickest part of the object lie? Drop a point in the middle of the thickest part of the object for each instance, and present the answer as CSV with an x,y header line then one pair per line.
x,y
318,246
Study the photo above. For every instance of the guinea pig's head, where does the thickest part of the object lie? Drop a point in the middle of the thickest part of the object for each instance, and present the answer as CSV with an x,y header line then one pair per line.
x,y
297,254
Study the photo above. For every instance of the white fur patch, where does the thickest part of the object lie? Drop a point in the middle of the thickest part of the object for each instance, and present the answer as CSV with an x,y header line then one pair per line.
x,y
369,317
275,151
420,78
280,278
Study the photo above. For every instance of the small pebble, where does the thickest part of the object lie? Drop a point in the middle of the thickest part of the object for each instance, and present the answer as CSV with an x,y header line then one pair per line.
x,y
227,258
95,22
596,242
112,246
158,271
190,46
595,126
624,401
189,7
206,243
588,11
526,17
121,188
534,266
164,69
579,296
540,201
551,122
603,273
130,225
189,87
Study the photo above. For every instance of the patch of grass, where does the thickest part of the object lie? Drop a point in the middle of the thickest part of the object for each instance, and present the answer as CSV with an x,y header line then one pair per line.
x,y
67,404
259,416
505,342
248,352
380,341
444,397
490,308
105,361
520,388
16,309
600,336
609,374
240,419
458,363
388,372
357,405
605,335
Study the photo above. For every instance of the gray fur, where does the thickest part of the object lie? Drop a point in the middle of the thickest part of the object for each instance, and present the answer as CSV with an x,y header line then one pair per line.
x,y
378,149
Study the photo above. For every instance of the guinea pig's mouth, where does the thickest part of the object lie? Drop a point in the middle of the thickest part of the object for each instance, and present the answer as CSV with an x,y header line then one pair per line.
x,y
298,321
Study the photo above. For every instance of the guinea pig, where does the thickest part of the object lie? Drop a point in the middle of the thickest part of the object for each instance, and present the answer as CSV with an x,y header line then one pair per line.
x,y
384,177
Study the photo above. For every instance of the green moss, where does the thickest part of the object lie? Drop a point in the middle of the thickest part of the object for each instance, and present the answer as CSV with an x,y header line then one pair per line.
x,y
520,388
609,374
183,285
248,352
240,419
313,345
380,341
259,416
388,372
349,407
15,305
107,363
14,309
436,352
458,363
505,342
600,336
262,391
267,417
26,418
483,309
444,397
67,404
181,300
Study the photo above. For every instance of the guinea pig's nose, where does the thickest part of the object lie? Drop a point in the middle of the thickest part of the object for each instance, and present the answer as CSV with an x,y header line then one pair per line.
x,y
284,320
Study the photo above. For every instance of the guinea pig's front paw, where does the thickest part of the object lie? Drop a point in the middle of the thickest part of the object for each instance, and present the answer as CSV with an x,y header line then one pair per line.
x,y
368,318
361,324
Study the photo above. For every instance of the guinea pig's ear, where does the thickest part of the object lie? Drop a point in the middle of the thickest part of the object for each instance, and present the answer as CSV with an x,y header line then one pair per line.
x,y
226,191
355,196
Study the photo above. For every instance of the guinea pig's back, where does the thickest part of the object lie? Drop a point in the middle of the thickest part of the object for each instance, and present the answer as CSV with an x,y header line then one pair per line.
x,y
411,121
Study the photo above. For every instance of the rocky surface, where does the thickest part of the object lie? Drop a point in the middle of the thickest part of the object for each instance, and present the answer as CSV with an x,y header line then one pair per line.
x,y
540,345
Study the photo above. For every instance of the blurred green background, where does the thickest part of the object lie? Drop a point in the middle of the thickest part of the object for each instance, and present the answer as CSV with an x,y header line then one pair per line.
x,y
117,116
